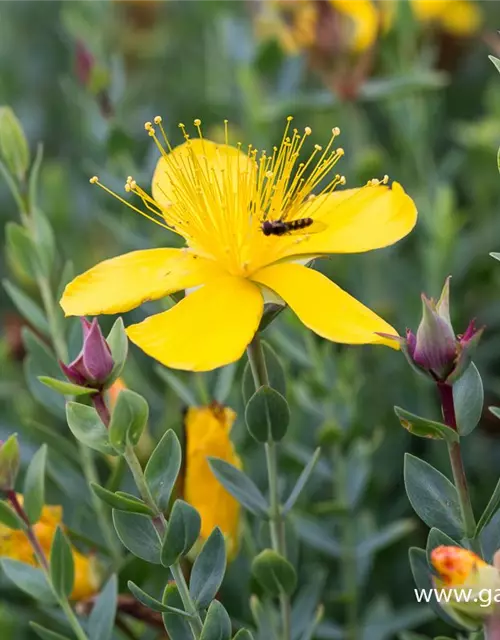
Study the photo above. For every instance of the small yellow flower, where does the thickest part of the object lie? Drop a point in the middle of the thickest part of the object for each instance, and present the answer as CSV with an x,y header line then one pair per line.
x,y
208,434
460,572
217,198
361,23
15,545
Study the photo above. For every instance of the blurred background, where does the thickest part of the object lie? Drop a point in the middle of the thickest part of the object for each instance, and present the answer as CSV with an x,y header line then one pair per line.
x,y
410,85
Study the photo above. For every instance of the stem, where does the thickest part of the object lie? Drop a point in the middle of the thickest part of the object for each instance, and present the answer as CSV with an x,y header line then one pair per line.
x,y
457,467
161,524
100,406
276,521
44,565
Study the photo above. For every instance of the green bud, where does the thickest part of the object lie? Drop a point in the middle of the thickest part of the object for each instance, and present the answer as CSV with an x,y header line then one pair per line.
x,y
330,434
14,148
9,463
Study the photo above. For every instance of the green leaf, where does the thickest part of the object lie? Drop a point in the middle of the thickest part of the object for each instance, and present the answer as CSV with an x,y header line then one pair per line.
x,y
182,532
468,397
163,468
267,415
493,254
139,535
301,482
224,383
424,428
44,240
182,390
243,634
274,573
489,512
87,427
62,569
14,148
496,62
128,419
432,496
29,579
41,361
152,603
208,570
66,388
176,625
34,485
20,250
121,501
10,460
437,538
217,625
239,485
9,518
275,374
46,634
317,535
118,343
27,308
102,618
385,537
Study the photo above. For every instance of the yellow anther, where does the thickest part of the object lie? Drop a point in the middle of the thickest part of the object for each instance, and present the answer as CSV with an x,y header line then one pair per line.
x,y
133,185
340,151
93,180
269,174
148,125
342,180
308,131
289,118
197,122
127,187
336,131
318,147
151,132
385,179
129,179
157,119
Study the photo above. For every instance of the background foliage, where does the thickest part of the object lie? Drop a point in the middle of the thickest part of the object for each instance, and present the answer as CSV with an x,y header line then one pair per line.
x,y
84,76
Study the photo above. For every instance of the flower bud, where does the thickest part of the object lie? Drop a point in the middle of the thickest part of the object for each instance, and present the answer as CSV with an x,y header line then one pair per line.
x,y
460,572
94,363
14,149
9,463
435,350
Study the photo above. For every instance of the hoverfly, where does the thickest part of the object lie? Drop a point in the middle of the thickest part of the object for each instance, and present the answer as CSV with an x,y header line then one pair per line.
x,y
284,227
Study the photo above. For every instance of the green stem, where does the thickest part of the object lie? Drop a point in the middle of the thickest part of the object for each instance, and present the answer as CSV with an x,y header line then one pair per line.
x,y
161,524
457,467
348,558
276,521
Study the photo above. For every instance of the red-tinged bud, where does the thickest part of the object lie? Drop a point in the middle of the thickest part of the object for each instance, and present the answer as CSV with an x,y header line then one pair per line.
x,y
9,463
435,350
94,363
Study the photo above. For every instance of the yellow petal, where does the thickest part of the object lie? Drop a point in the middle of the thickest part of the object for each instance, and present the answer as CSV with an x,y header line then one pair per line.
x,y
358,220
86,582
463,20
209,328
120,284
365,21
324,307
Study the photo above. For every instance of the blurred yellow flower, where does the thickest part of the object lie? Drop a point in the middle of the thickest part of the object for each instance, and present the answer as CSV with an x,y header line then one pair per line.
x,y
459,18
208,434
15,545
353,24
222,201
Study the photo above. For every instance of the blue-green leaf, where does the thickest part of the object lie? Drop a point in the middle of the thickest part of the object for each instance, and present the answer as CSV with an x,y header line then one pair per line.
x,y
87,427
29,579
163,468
128,419
121,501
62,569
46,634
301,482
176,625
182,532
275,374
490,510
468,397
239,485
102,618
217,625
424,428
267,415
118,343
27,308
34,485
433,497
208,570
66,388
274,573
9,518
139,535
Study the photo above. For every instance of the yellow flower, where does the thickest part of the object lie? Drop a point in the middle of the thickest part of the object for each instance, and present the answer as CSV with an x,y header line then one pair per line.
x,y
217,198
460,570
362,22
460,18
208,434
15,545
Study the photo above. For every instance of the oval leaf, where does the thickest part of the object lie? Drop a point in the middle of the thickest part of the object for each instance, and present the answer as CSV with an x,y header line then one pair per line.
x,y
267,415
239,486
62,568
274,573
9,518
182,532
468,396
217,625
118,343
87,427
152,603
128,419
102,617
34,485
208,570
29,579
433,497
121,501
275,374
424,428
176,625
163,468
139,535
